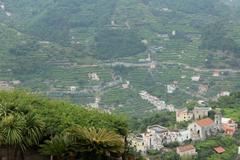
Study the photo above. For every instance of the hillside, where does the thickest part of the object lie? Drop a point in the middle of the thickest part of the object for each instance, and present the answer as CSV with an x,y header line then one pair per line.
x,y
105,52
31,123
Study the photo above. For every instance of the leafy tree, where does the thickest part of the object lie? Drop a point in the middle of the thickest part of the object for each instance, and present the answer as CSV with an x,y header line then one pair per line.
x,y
95,143
165,118
172,145
170,156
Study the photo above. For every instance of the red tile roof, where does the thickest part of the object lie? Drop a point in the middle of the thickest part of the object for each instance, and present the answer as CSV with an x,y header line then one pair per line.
x,y
219,149
205,122
185,148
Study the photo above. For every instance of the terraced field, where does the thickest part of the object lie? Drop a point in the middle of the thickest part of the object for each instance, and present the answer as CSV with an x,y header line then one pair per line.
x,y
53,51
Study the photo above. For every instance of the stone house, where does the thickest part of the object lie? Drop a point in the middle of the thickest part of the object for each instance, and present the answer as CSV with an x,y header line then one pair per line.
x,y
202,129
186,150
183,136
138,143
151,139
183,115
200,112
155,140
203,88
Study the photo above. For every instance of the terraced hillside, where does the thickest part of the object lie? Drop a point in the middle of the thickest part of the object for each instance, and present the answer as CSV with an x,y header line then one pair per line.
x,y
105,52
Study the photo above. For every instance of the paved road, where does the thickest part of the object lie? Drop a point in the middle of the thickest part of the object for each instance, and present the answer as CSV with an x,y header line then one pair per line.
x,y
147,64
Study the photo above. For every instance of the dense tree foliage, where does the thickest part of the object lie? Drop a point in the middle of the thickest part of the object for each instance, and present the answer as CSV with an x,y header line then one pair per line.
x,y
206,151
189,6
27,119
170,156
166,119
118,43
42,39
215,37
229,105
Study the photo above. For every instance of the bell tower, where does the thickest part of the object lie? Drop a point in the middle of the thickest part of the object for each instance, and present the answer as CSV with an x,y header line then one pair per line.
x,y
218,119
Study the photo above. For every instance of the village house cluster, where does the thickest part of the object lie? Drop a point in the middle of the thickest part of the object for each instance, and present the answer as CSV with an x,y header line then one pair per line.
x,y
161,105
156,136
9,85
197,113
199,128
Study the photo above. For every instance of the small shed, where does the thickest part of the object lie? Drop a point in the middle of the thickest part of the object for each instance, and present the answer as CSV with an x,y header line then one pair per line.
x,y
219,149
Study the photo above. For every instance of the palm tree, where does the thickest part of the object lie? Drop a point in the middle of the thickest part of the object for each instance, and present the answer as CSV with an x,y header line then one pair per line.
x,y
19,131
95,143
10,130
32,133
56,148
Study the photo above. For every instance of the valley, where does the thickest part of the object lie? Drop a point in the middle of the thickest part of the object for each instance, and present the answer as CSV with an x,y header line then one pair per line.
x,y
103,57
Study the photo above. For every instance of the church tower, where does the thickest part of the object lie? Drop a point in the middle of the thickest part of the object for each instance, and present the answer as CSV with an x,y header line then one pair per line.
x,y
218,119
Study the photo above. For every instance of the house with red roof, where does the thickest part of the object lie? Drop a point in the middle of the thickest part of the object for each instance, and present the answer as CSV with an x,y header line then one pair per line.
x,y
201,129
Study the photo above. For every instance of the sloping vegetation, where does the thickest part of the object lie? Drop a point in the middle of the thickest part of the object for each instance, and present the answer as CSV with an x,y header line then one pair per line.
x,y
62,129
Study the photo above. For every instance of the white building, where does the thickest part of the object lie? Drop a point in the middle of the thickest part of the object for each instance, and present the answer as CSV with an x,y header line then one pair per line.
x,y
73,88
202,129
4,85
93,76
216,73
126,85
152,65
224,93
96,103
201,102
16,82
174,33
196,78
2,6
151,139
183,136
171,88
171,108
